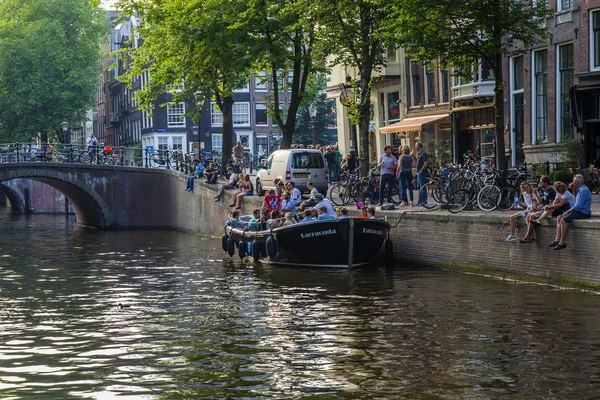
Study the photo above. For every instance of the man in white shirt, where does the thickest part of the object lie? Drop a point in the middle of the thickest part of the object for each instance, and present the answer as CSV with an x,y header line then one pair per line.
x,y
323,202
229,185
92,141
296,193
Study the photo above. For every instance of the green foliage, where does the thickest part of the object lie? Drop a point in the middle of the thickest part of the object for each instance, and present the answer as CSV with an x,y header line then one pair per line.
x,y
50,64
439,153
562,176
572,151
323,118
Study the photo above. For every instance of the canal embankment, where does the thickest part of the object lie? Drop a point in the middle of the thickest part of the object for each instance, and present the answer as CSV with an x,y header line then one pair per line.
x,y
467,240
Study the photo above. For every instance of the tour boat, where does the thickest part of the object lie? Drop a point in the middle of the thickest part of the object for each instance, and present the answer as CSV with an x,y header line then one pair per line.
x,y
340,243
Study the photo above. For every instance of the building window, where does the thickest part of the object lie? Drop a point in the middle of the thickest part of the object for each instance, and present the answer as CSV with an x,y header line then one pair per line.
x,y
260,81
415,84
244,89
444,86
217,141
241,114
178,143
540,112
392,55
163,145
260,115
429,84
518,76
595,36
565,4
175,115
216,116
262,145
393,106
566,81
290,80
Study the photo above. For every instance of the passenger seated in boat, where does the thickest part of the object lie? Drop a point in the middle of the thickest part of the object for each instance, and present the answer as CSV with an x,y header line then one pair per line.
x,y
314,213
307,215
343,213
275,221
289,219
323,214
264,218
234,220
365,212
371,212
313,192
288,205
272,201
323,202
254,223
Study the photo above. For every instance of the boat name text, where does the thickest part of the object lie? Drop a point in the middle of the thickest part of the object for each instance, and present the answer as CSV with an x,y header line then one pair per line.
x,y
320,233
372,231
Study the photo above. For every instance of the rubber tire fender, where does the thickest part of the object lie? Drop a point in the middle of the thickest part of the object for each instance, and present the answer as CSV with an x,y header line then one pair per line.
x,y
224,242
256,250
230,247
242,249
271,247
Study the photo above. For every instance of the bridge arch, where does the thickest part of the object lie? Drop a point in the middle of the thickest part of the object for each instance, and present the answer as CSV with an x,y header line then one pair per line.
x,y
90,208
16,203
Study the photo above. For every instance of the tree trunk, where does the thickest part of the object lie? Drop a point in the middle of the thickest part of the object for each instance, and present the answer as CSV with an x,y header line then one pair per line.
x,y
365,116
499,111
227,110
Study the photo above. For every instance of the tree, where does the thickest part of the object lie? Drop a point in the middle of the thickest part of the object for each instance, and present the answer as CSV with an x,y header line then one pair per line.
x,y
463,33
50,64
198,48
357,34
323,119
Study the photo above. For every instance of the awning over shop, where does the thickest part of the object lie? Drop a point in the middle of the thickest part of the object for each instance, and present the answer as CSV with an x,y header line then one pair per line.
x,y
412,124
469,108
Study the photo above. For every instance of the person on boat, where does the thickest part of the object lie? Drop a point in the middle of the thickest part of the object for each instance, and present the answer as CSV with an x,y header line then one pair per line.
x,y
246,189
296,193
254,223
365,212
311,202
371,212
288,205
323,202
272,201
264,219
289,219
343,213
323,215
280,189
275,221
234,220
307,215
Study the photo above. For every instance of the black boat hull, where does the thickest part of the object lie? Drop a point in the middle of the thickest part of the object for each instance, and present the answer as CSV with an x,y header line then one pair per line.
x,y
344,243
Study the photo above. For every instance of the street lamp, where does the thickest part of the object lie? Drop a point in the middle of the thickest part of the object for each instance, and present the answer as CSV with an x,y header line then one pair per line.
x,y
65,128
312,110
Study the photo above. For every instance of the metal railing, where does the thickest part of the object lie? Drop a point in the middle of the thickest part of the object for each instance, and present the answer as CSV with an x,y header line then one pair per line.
x,y
98,154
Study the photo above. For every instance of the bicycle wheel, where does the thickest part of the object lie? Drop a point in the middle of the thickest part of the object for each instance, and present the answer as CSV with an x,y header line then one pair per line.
x,y
506,198
487,198
459,201
361,192
155,160
336,194
395,193
426,196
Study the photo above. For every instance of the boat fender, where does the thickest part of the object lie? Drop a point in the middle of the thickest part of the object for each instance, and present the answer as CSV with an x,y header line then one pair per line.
x,y
256,250
389,250
271,247
242,249
249,248
262,246
224,242
230,247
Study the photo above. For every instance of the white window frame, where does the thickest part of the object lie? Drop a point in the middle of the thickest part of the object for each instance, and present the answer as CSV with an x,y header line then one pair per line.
x,y
235,113
534,108
261,83
593,43
217,138
558,130
394,51
512,106
560,8
266,113
173,138
216,116
440,87
176,115
244,89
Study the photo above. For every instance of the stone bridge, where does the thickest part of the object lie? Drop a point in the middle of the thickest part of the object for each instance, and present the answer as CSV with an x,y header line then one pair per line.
x,y
105,196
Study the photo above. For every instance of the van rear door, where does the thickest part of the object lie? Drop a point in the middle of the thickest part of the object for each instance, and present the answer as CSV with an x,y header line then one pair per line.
x,y
307,166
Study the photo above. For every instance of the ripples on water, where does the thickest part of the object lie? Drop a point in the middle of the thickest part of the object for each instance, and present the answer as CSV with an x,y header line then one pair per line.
x,y
162,315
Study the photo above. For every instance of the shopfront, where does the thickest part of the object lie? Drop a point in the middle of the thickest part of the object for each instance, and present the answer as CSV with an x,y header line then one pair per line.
x,y
586,109
475,131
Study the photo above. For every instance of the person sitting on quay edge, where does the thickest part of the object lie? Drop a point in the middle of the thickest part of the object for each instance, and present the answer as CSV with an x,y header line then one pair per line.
x,y
323,202
531,201
198,170
229,185
311,202
323,215
210,174
280,189
563,201
581,210
246,189
296,193
547,196
272,201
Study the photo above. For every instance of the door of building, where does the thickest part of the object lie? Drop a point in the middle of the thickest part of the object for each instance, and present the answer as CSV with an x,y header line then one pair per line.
x,y
592,143
464,144
518,128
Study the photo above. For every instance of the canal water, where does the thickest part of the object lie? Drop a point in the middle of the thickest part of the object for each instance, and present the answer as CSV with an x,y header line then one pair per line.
x,y
164,315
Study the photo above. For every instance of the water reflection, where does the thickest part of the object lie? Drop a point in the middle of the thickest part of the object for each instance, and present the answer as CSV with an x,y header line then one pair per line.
x,y
92,314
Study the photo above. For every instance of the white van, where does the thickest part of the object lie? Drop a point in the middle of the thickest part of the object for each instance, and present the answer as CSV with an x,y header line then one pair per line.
x,y
298,165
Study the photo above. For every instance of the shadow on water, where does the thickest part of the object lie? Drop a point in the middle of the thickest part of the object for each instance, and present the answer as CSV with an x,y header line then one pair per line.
x,y
163,314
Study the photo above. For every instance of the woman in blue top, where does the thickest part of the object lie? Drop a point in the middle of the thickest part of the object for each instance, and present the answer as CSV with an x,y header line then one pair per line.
x,y
405,176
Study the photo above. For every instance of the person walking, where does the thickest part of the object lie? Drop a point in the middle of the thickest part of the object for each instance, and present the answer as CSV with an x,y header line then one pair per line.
x,y
388,164
422,172
331,166
405,177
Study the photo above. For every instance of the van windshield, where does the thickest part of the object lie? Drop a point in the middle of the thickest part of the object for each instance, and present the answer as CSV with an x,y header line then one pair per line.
x,y
307,160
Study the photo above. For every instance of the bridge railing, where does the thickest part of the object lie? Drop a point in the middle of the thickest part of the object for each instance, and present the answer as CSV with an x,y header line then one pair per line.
x,y
98,154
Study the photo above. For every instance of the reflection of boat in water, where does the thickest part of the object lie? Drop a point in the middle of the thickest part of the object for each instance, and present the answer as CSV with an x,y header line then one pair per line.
x,y
342,243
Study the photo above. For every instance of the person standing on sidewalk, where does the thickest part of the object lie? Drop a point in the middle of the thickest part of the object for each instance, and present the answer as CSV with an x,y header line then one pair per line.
x,y
422,171
405,177
388,164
